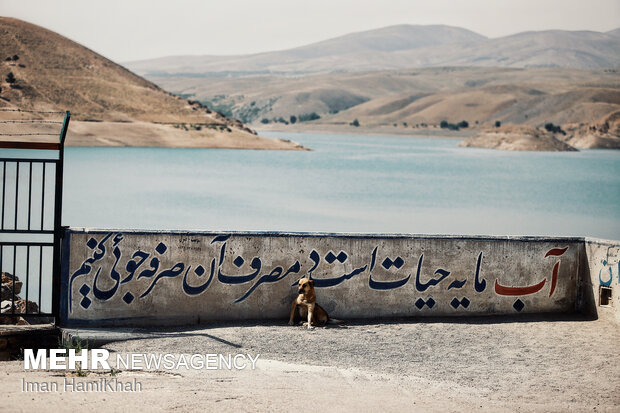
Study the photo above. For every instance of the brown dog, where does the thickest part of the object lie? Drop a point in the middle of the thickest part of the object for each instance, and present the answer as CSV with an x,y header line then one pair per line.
x,y
306,300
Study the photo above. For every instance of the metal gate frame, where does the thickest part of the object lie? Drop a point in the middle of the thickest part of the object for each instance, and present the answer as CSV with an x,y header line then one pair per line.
x,y
57,231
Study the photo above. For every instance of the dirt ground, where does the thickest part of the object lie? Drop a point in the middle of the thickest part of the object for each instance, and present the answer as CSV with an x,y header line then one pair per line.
x,y
484,364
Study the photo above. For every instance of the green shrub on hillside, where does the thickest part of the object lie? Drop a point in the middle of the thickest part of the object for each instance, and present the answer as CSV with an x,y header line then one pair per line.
x,y
550,127
444,124
309,117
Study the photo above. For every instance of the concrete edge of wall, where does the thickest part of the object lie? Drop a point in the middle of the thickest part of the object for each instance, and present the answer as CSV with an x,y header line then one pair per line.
x,y
600,270
524,238
601,241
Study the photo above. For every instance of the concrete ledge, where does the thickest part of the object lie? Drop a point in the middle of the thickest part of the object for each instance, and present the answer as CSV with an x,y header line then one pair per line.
x,y
14,339
279,234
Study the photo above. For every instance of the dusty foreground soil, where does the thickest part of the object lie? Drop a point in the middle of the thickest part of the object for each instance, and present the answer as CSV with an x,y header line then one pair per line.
x,y
489,364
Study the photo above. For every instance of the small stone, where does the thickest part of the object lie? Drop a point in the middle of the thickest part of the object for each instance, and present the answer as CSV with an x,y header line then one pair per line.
x,y
8,277
8,281
22,322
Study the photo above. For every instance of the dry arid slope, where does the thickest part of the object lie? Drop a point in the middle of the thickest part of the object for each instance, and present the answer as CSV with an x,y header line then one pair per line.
x,y
109,104
405,47
582,102
567,78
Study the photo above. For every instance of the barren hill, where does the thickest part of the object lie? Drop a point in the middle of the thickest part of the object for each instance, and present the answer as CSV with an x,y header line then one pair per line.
x,y
405,47
416,100
368,50
410,78
42,70
550,48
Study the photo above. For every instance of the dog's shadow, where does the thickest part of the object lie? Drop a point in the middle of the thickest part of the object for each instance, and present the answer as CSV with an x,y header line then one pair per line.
x,y
303,322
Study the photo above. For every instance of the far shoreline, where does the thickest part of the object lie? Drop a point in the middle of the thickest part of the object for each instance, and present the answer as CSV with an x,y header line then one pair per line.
x,y
399,132
152,135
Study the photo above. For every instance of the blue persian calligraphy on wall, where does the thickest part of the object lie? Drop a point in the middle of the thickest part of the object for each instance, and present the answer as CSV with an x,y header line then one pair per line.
x,y
111,268
609,267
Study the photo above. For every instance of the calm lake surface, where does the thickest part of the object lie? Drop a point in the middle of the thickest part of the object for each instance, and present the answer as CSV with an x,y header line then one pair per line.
x,y
348,183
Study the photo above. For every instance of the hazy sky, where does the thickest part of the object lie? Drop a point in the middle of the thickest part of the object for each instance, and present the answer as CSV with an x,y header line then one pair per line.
x,y
126,30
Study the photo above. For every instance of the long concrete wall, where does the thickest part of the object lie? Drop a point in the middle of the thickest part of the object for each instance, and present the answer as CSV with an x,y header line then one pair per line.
x,y
163,278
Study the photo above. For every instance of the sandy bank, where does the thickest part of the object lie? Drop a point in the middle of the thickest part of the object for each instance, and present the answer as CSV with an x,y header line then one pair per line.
x,y
517,138
384,130
603,133
159,135
146,134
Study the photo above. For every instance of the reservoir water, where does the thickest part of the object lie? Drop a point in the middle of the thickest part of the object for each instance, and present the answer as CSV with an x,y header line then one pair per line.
x,y
347,183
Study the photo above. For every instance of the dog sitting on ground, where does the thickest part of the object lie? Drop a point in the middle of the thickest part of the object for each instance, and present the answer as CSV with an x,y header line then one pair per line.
x,y
306,300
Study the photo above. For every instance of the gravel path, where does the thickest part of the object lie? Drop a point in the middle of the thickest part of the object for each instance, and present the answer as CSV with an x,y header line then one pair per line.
x,y
491,364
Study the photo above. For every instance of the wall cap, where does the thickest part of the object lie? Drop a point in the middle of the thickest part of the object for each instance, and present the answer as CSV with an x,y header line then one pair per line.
x,y
523,238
